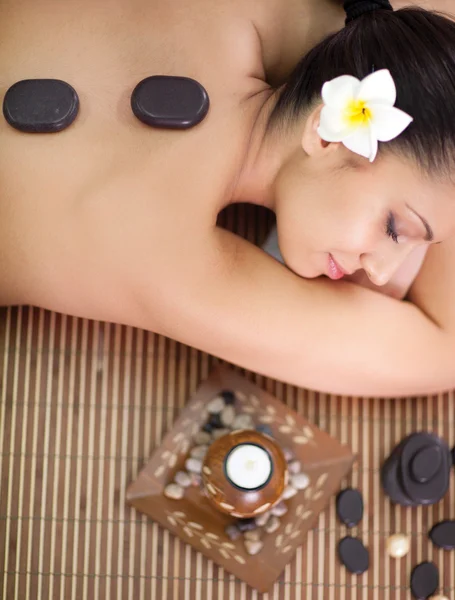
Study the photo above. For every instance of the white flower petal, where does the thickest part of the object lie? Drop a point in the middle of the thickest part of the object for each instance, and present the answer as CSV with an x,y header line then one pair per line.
x,y
332,126
362,142
378,87
337,92
388,122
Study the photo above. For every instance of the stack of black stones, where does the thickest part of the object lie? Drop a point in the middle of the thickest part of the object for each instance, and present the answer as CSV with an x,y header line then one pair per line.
x,y
417,473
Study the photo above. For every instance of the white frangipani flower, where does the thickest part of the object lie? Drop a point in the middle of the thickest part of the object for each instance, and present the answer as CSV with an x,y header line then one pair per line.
x,y
361,113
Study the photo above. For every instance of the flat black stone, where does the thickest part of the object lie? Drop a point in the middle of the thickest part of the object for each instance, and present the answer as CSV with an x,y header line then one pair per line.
x,y
350,507
246,525
265,429
215,421
228,396
40,105
353,555
426,464
391,481
431,491
170,102
424,580
443,535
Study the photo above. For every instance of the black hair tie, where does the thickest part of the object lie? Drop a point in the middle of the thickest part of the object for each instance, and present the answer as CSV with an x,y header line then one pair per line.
x,y
357,8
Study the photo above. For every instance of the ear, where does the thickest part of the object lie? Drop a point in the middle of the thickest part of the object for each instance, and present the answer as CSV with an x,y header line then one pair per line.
x,y
312,144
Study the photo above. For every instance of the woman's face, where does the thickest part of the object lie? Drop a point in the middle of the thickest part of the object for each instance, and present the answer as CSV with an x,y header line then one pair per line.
x,y
337,214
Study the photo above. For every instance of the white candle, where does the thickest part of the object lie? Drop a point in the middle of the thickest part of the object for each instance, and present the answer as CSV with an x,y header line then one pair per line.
x,y
248,466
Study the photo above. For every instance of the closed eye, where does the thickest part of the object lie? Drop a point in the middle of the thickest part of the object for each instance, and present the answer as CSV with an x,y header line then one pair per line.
x,y
391,227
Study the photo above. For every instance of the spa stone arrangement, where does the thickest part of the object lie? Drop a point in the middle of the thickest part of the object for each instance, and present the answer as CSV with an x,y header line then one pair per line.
x,y
250,465
240,478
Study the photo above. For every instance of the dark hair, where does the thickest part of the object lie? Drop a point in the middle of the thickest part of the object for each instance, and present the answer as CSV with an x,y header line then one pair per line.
x,y
418,48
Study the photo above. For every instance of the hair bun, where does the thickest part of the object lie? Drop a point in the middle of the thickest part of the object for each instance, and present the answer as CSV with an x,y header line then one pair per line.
x,y
357,8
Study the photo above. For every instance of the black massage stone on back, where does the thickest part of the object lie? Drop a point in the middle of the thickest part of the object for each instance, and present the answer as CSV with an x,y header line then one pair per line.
x,y
169,102
40,105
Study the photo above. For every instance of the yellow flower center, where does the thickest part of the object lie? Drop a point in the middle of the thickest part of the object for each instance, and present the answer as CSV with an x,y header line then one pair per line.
x,y
357,113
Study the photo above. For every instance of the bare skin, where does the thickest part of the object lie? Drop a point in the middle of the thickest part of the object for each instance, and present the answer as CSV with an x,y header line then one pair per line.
x,y
112,220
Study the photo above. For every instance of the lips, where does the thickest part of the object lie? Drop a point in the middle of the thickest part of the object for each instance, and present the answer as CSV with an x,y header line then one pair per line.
x,y
334,270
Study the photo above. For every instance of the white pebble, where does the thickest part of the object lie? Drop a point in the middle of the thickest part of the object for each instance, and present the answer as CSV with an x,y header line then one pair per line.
x,y
199,452
253,547
194,465
279,509
196,480
253,535
398,545
272,525
202,438
217,433
216,405
261,520
288,454
182,479
289,492
174,491
243,422
228,415
300,481
294,467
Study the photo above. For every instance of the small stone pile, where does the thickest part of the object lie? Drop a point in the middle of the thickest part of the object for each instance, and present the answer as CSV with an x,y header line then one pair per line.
x,y
223,418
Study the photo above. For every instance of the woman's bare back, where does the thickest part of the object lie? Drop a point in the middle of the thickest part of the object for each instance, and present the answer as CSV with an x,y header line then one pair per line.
x,y
78,208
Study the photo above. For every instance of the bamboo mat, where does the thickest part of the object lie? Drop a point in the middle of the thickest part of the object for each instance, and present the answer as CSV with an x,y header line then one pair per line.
x,y
83,404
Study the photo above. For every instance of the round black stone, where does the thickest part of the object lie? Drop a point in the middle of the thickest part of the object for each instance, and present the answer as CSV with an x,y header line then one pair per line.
x,y
265,429
215,421
424,580
228,396
443,535
40,105
350,507
426,464
169,102
353,555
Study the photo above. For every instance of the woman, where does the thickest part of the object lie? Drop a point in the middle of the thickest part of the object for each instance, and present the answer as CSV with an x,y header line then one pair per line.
x,y
116,221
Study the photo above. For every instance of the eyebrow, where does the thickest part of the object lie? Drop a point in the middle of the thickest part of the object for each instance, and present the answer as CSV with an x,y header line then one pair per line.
x,y
429,237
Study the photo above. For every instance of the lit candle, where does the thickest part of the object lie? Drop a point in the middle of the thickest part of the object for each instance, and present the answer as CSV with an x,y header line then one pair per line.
x,y
248,466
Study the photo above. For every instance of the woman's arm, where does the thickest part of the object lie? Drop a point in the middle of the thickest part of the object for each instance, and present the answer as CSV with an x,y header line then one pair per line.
x,y
239,304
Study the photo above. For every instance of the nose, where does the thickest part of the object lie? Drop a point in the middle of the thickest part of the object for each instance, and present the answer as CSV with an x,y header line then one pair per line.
x,y
380,267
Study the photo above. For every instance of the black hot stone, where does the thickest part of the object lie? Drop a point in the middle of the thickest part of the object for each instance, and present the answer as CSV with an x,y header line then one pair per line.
x,y
426,464
169,102
424,580
40,105
418,470
443,535
246,525
353,555
228,396
350,507
215,421
265,429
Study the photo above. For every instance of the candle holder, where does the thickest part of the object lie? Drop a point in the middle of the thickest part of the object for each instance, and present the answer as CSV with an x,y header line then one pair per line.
x,y
244,473
241,477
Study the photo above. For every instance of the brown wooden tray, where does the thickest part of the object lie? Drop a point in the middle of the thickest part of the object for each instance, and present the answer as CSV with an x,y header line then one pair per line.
x,y
195,521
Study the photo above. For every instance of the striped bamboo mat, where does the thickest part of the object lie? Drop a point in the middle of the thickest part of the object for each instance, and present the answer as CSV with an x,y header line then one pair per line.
x,y
83,405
